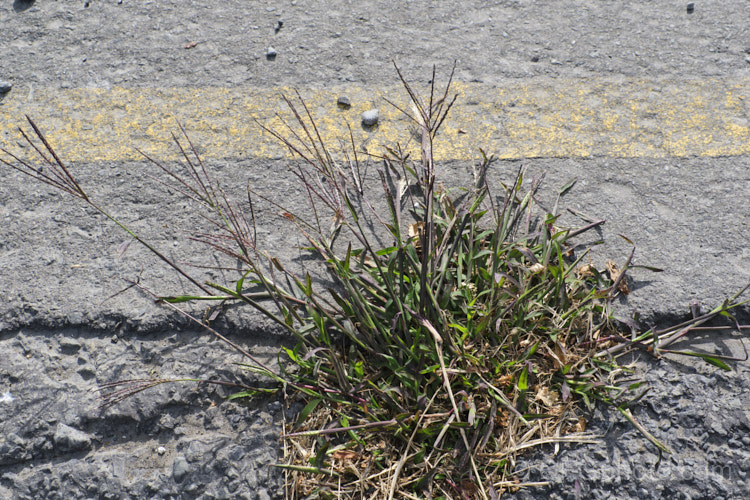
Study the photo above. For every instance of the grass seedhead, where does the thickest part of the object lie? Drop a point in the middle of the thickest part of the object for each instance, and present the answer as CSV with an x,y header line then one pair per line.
x,y
58,175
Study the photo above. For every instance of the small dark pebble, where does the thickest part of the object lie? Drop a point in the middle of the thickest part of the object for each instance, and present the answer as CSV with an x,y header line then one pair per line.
x,y
535,59
271,54
690,8
344,102
279,25
5,87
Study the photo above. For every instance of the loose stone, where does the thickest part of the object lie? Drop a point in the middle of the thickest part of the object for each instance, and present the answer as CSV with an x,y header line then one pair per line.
x,y
180,468
370,117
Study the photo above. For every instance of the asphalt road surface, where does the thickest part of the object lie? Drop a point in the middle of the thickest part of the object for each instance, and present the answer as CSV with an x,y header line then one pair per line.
x,y
645,103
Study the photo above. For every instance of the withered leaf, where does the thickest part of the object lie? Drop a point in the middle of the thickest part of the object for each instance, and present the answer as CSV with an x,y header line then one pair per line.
x,y
415,230
585,271
546,396
614,274
468,487
345,455
581,425
537,268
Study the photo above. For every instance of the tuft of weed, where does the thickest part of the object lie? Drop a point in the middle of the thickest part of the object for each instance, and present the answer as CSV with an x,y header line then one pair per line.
x,y
421,368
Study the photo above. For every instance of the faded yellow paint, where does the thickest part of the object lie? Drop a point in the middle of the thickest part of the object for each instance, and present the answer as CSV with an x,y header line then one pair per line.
x,y
519,118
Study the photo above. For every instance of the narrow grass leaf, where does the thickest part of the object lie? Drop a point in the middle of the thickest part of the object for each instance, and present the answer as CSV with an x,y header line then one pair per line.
x,y
714,360
309,407
629,416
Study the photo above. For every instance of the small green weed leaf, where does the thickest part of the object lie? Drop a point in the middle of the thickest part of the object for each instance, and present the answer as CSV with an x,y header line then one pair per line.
x,y
482,253
419,457
458,327
707,358
386,251
567,187
531,351
359,369
348,258
552,219
430,369
309,407
343,304
586,400
241,281
523,379
288,316
251,393
292,355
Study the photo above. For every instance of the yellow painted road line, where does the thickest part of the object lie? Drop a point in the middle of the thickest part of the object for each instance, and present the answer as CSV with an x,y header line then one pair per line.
x,y
523,119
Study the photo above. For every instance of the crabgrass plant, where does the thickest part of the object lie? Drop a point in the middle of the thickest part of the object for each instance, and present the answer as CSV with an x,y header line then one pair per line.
x,y
425,366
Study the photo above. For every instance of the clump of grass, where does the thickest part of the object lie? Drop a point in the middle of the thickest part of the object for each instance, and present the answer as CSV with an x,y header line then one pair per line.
x,y
437,359
428,364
